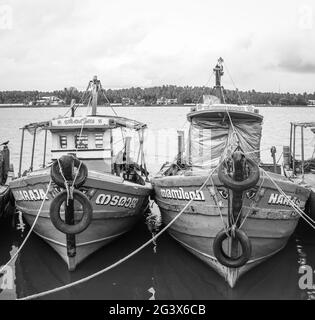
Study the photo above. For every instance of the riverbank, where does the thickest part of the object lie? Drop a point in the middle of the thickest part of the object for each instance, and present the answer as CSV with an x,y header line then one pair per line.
x,y
18,105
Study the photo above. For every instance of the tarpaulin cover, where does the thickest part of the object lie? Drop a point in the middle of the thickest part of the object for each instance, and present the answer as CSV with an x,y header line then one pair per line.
x,y
211,141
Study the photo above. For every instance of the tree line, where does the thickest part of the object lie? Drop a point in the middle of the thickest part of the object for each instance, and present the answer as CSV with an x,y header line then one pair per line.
x,y
149,96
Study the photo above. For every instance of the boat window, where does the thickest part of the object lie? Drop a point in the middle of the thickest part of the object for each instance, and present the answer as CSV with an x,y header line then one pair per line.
x,y
99,140
63,142
81,142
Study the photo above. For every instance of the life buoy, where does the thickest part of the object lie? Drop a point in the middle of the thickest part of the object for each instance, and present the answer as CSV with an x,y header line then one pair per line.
x,y
230,183
67,162
223,258
87,215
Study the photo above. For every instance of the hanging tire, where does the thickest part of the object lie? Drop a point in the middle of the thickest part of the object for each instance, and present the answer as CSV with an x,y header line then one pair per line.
x,y
60,224
223,258
67,163
230,183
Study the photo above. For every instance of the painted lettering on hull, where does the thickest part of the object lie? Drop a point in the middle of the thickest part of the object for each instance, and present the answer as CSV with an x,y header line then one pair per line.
x,y
29,195
180,194
115,200
279,199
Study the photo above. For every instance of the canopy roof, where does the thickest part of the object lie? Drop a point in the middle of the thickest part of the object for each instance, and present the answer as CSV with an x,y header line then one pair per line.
x,y
91,122
304,124
217,130
220,111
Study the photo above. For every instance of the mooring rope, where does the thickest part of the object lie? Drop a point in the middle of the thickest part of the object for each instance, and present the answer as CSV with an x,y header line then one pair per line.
x,y
296,208
96,274
31,229
227,69
251,205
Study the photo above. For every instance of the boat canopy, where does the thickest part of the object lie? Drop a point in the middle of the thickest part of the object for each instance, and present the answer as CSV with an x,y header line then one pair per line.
x,y
88,122
215,134
304,124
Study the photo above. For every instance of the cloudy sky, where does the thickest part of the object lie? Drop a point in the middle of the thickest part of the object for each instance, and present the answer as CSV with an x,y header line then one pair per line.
x,y
51,44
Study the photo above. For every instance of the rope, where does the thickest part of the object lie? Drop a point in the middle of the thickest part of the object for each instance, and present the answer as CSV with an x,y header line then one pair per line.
x,y
123,259
220,212
303,215
81,100
211,75
103,91
225,66
232,125
31,229
252,204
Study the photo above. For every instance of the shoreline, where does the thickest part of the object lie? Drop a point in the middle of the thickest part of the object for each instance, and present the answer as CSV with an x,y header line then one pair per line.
x,y
8,106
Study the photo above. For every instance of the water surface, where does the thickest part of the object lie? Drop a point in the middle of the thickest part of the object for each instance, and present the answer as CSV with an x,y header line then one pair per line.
x,y
167,271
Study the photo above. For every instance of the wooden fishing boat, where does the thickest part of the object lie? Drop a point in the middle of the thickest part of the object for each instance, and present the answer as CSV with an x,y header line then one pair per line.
x,y
242,213
77,218
6,174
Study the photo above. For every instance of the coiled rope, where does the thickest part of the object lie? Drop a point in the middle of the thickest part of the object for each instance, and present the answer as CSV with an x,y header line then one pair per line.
x,y
29,232
94,275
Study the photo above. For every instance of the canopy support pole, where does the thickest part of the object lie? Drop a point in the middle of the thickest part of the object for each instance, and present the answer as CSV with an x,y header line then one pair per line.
x,y
21,152
45,145
293,156
33,150
302,150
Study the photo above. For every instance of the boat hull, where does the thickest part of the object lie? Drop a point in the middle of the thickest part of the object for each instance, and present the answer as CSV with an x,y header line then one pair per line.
x,y
269,223
117,206
5,200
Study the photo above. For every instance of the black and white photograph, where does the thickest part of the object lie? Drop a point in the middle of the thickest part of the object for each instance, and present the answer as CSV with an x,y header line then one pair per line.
x,y
157,151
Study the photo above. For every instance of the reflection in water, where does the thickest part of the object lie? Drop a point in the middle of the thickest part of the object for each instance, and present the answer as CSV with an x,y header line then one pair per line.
x,y
167,273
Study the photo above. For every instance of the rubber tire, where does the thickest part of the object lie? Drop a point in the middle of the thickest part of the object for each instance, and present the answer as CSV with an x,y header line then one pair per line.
x,y
59,224
223,258
81,177
240,185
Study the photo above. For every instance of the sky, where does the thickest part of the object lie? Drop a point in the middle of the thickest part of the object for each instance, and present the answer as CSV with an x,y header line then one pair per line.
x,y
267,45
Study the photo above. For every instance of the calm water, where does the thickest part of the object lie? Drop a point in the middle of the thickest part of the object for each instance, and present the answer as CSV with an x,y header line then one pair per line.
x,y
167,271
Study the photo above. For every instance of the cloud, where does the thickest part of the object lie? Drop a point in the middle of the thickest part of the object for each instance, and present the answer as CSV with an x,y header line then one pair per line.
x,y
60,43
296,64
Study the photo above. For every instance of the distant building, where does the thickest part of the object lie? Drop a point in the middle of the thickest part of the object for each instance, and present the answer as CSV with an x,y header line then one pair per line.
x,y
160,101
171,101
49,100
166,101
125,101
311,103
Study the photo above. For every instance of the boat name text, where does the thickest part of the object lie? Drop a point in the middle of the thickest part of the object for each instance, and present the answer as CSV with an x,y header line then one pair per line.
x,y
276,198
29,195
180,194
115,200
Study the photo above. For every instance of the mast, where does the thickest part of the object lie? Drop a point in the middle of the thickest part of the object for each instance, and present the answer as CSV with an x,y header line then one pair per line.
x,y
95,84
218,71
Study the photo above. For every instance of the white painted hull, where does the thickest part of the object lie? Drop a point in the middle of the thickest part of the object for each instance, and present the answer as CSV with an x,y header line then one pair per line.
x,y
108,223
268,225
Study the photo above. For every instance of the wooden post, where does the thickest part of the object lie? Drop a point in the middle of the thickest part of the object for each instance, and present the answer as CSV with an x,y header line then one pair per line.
x,y
302,150
112,151
293,155
141,139
45,145
127,151
189,149
95,87
72,107
273,151
33,149
180,146
69,219
237,201
21,152
291,129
